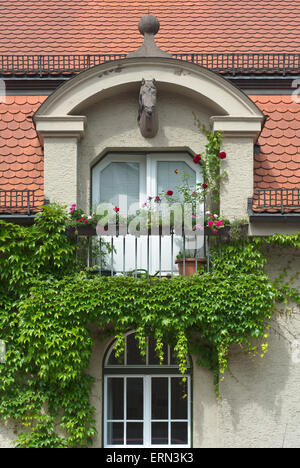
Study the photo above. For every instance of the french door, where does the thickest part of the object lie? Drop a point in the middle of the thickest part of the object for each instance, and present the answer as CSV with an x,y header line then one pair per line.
x,y
127,181
147,411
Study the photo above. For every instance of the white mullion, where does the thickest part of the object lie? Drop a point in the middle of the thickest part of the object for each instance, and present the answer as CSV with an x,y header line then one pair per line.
x,y
147,410
189,410
105,410
125,411
169,411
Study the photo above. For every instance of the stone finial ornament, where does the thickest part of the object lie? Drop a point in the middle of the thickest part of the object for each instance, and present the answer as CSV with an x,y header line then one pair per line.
x,y
148,116
148,27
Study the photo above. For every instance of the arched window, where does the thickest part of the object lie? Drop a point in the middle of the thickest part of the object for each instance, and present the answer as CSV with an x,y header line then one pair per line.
x,y
145,404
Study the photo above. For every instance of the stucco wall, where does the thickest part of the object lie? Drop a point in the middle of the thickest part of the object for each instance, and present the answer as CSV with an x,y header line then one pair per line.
x,y
60,164
238,187
260,406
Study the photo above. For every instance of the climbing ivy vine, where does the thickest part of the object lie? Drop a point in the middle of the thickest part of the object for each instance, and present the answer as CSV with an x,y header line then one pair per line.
x,y
47,306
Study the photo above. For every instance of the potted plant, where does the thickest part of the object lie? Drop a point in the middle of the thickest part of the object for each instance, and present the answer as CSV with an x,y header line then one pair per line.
x,y
190,262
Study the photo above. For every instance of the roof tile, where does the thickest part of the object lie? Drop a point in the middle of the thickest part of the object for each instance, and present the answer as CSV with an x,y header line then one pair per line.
x,y
21,156
278,163
187,26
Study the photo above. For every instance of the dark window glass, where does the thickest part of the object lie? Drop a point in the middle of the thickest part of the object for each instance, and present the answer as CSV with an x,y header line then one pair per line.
x,y
178,398
159,434
134,434
115,398
113,361
115,433
133,353
179,433
153,358
159,397
135,398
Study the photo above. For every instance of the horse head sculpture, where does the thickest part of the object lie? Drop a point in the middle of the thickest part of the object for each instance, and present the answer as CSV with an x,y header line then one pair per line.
x,y
148,117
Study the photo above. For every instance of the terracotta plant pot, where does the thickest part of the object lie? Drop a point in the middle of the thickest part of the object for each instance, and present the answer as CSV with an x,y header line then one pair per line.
x,y
190,265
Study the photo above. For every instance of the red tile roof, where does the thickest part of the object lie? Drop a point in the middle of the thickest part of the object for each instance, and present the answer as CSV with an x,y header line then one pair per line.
x,y
277,165
21,155
110,26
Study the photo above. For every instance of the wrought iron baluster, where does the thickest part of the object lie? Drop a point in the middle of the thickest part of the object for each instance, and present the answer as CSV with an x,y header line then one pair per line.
x,y
112,257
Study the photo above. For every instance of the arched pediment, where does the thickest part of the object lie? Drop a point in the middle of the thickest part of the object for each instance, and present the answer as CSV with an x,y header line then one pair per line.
x,y
108,78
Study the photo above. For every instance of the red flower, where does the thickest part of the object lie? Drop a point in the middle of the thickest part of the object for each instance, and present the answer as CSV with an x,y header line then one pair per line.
x,y
204,185
197,158
116,209
86,221
170,193
176,171
222,155
157,199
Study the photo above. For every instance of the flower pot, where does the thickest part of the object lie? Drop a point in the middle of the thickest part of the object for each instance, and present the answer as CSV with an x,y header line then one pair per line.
x,y
190,265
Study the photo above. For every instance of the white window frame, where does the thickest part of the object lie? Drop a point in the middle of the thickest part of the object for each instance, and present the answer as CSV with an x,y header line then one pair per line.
x,y
147,420
148,169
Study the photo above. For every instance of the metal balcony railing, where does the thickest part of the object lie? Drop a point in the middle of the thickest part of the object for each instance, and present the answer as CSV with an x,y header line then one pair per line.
x,y
150,255
17,201
232,64
282,200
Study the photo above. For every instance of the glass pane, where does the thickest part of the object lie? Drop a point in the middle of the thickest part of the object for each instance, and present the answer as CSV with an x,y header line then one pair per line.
x,y
179,398
173,358
135,398
115,398
120,179
159,433
115,433
179,433
159,398
153,358
134,435
133,353
168,180
113,361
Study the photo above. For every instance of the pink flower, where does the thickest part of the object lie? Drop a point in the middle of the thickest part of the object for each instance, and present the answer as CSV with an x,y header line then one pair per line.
x,y
198,227
219,223
210,223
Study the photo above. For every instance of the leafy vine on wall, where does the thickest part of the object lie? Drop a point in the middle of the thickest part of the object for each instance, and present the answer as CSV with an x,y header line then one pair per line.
x,y
47,304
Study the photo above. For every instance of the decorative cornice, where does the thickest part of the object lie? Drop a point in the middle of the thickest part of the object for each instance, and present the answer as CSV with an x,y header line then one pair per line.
x,y
60,126
235,126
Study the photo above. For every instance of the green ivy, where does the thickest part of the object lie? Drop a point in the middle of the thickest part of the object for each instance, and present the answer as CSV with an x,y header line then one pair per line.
x,y
47,305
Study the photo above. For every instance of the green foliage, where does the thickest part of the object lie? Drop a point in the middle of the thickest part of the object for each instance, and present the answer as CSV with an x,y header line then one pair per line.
x,y
213,175
46,307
